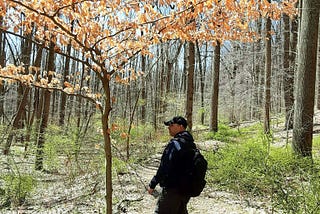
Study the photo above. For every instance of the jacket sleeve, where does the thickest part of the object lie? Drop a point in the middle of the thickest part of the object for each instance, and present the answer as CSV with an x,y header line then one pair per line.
x,y
165,164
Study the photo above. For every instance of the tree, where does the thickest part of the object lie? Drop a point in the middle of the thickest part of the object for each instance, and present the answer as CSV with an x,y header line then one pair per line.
x,y
267,96
2,64
305,93
65,75
215,89
202,78
287,75
45,110
190,84
318,70
289,65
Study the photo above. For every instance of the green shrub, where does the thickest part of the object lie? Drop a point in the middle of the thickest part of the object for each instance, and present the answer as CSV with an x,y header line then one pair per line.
x,y
253,167
55,146
224,134
119,166
239,167
16,189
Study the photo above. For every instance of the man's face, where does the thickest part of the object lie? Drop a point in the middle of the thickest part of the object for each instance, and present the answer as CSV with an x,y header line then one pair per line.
x,y
175,128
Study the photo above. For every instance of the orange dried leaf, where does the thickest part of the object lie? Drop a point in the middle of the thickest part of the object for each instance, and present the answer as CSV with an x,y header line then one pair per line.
x,y
113,99
114,127
67,84
123,135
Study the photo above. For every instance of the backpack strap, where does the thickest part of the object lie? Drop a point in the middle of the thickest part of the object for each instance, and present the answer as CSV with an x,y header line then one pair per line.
x,y
183,144
177,145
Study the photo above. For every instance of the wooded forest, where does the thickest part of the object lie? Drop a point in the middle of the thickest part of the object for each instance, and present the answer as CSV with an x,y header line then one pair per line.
x,y
107,66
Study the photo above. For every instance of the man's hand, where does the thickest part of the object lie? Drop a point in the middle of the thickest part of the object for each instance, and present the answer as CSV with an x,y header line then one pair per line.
x,y
150,191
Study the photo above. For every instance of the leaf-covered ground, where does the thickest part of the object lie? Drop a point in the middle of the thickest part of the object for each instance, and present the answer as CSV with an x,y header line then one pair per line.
x,y
59,192
76,189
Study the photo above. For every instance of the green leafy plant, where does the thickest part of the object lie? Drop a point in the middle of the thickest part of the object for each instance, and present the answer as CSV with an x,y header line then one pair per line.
x,y
255,168
224,134
16,189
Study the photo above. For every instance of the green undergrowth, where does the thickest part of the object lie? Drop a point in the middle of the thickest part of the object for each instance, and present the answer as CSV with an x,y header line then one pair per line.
x,y
252,166
15,189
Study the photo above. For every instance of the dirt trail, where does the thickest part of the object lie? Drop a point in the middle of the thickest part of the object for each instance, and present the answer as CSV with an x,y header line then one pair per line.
x,y
210,201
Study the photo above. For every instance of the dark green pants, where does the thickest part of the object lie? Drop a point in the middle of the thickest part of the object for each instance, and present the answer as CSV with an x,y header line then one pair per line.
x,y
172,202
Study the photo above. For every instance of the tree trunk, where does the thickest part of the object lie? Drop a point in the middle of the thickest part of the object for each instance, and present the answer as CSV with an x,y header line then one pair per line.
x,y
45,112
23,94
2,64
66,72
185,68
190,86
213,126
288,75
107,143
318,70
17,119
143,90
257,75
307,58
267,77
63,101
202,81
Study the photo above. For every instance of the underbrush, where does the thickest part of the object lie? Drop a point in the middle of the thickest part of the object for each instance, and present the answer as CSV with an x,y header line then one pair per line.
x,y
137,146
15,189
253,167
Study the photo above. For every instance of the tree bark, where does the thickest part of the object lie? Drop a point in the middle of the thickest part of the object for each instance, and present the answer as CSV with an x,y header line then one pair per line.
x,y
107,143
305,93
143,90
267,96
213,126
190,86
45,111
2,64
257,74
318,69
202,81
288,75
63,101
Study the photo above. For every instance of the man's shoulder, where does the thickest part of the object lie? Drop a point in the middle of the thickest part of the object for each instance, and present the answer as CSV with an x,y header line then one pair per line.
x,y
184,143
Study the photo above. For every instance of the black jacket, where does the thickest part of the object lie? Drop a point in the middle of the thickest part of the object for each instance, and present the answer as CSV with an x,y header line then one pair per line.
x,y
172,161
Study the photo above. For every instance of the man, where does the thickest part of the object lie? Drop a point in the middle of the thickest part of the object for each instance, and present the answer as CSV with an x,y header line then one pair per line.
x,y
169,175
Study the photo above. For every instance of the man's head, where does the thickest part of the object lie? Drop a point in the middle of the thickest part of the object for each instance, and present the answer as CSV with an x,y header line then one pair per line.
x,y
176,124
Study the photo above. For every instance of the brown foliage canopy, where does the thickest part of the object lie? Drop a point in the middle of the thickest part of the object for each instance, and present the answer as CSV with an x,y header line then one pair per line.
x,y
109,32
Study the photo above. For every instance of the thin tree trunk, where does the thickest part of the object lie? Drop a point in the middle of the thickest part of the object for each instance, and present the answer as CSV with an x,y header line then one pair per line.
x,y
185,68
143,90
190,86
63,101
107,143
23,94
170,63
202,81
17,120
213,126
267,77
66,72
288,76
45,112
2,64
257,76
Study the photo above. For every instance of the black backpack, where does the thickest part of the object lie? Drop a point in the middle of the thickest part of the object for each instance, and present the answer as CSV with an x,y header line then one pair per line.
x,y
194,167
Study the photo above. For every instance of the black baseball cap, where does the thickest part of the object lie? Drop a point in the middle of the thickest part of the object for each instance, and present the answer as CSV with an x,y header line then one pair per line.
x,y
177,120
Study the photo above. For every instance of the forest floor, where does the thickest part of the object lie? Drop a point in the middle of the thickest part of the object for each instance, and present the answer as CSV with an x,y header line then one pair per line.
x,y
210,201
58,193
